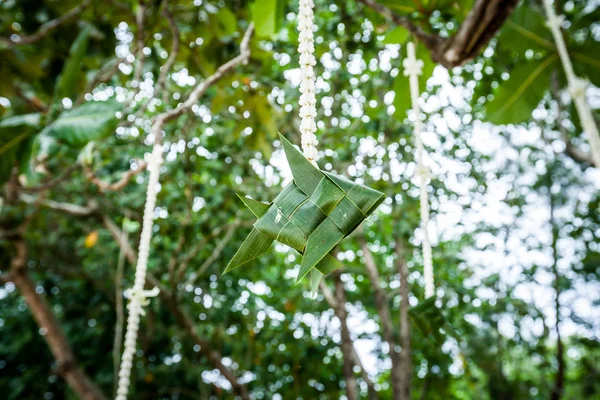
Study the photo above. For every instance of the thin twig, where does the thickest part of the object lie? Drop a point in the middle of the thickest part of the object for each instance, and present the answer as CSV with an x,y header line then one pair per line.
x,y
73,209
47,27
329,297
215,253
201,88
121,183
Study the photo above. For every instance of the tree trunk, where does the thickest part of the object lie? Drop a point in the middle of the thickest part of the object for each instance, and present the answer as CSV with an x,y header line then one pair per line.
x,y
68,368
347,347
385,318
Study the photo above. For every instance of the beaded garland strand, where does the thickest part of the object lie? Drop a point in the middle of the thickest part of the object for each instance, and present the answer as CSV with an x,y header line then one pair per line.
x,y
413,68
577,86
308,101
138,297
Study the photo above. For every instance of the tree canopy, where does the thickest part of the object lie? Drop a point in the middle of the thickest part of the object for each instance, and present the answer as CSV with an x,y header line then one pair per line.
x,y
87,87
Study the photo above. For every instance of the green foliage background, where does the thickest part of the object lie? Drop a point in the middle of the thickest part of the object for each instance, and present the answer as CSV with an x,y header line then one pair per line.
x,y
499,259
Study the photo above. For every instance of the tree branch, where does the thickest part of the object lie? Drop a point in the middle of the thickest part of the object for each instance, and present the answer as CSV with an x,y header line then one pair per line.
x,y
47,27
405,359
121,183
73,209
201,88
430,40
339,311
347,346
53,334
385,317
484,20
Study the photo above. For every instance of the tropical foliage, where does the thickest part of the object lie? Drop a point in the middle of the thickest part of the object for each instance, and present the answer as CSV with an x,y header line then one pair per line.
x,y
515,202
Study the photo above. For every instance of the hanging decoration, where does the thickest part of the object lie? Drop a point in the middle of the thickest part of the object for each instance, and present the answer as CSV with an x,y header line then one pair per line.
x,y
312,215
413,68
318,209
577,86
138,297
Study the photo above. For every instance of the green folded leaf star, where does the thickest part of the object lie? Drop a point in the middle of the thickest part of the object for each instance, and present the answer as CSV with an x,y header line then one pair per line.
x,y
312,215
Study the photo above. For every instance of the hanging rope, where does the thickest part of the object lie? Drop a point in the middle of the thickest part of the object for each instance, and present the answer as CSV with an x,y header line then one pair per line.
x,y
413,68
138,297
577,86
308,101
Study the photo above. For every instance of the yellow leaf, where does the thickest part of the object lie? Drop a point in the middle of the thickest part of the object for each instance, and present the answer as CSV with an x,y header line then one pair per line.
x,y
91,239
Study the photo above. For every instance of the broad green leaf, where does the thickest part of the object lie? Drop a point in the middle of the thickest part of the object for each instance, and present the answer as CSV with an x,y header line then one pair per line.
x,y
66,84
227,21
516,98
586,62
526,29
264,15
15,142
402,102
398,35
90,121
404,6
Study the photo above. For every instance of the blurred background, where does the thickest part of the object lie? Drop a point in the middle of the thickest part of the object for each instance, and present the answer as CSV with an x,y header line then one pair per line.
x,y
514,191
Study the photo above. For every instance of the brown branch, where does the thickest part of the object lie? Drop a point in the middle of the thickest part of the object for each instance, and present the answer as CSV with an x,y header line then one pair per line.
x,y
140,16
405,359
385,317
68,367
121,183
47,27
5,278
201,88
73,209
559,380
483,22
347,346
430,40
339,310
164,71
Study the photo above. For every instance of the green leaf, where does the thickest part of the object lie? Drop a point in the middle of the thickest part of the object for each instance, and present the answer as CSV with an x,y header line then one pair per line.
x,y
15,142
264,15
402,102
255,244
227,21
586,62
526,29
90,121
398,35
66,84
516,98
323,239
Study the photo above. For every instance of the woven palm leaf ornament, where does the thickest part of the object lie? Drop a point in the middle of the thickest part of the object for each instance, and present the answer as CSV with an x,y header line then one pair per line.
x,y
317,209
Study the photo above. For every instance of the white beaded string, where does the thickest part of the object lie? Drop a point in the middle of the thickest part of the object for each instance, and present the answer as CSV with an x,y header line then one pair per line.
x,y
138,297
413,68
577,86
308,101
